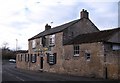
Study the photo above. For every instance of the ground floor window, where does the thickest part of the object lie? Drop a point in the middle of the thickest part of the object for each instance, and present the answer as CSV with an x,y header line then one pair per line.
x,y
33,58
115,47
26,57
87,56
51,58
21,56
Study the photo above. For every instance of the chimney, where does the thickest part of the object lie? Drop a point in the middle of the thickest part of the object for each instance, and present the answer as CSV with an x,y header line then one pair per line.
x,y
84,14
47,27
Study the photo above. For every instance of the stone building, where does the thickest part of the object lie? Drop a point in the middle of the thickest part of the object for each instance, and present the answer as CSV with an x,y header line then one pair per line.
x,y
77,47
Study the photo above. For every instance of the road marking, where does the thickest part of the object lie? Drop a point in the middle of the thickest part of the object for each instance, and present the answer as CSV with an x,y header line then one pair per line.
x,y
15,76
19,78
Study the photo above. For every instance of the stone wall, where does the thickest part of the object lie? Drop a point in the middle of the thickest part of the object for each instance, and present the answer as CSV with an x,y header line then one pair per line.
x,y
112,62
78,65
21,63
58,48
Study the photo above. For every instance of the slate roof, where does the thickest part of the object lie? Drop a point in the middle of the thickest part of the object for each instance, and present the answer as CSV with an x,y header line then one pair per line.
x,y
55,29
101,36
22,51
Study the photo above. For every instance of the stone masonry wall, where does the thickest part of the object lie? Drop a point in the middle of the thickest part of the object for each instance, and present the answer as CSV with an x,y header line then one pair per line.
x,y
112,62
78,65
59,50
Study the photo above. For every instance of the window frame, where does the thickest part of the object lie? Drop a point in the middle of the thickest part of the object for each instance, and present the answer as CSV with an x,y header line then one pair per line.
x,y
33,43
51,58
21,56
115,47
88,58
26,57
33,58
52,39
76,50
40,42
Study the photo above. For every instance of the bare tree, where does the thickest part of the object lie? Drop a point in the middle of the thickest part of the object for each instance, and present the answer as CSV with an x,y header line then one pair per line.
x,y
5,45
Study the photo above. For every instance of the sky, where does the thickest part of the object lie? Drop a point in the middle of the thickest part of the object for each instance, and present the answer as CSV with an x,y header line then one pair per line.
x,y
22,19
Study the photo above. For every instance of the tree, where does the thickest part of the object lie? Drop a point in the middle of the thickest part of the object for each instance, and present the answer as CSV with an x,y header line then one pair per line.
x,y
5,45
6,52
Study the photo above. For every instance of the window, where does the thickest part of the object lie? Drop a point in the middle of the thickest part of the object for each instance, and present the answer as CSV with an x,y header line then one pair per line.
x,y
52,40
40,41
115,47
26,57
87,56
33,43
76,50
51,58
21,57
33,58
43,41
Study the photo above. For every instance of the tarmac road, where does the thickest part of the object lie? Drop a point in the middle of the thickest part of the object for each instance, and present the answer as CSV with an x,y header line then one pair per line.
x,y
10,73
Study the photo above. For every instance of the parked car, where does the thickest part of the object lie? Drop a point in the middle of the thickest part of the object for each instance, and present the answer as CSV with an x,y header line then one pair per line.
x,y
12,60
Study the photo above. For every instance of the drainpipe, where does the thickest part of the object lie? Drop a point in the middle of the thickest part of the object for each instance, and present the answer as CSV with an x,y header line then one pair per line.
x,y
118,65
105,62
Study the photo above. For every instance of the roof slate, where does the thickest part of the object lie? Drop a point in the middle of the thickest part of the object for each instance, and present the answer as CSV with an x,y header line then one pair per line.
x,y
55,29
101,36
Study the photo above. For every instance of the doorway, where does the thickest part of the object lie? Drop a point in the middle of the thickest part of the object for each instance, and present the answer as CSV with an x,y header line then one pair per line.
x,y
106,73
41,62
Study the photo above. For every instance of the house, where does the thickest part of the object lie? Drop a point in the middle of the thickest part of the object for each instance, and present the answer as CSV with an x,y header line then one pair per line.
x,y
77,47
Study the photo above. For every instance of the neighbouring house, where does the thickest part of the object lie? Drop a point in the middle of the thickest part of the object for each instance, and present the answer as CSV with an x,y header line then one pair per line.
x,y
77,47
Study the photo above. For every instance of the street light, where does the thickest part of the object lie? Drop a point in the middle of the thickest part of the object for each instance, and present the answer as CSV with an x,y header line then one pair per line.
x,y
16,44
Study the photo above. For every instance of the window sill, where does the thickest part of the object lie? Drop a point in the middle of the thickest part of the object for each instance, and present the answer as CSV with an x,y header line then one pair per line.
x,y
76,55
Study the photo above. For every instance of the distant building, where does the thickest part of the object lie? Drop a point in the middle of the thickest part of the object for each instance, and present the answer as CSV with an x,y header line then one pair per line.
x,y
77,48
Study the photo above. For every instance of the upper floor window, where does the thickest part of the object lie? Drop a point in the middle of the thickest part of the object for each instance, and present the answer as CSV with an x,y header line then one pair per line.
x,y
52,39
33,43
40,41
76,50
43,40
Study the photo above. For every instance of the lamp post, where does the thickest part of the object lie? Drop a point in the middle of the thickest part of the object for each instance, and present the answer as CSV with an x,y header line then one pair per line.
x,y
16,44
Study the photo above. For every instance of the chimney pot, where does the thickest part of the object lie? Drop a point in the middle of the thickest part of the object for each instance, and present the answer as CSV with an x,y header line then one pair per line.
x,y
84,14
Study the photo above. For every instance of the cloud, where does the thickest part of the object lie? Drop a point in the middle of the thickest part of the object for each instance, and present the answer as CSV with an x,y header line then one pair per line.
x,y
22,19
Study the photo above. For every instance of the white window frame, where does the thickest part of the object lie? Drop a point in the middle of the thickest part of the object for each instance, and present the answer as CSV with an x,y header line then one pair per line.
x,y
115,47
40,41
26,57
76,50
33,58
51,58
52,39
33,43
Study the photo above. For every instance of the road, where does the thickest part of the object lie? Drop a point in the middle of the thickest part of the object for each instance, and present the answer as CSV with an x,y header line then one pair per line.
x,y
10,73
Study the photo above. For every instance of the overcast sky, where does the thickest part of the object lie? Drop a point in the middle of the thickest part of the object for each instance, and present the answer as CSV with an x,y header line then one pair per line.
x,y
22,19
